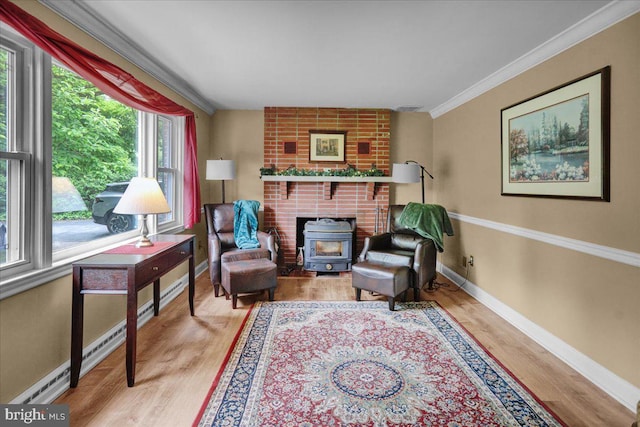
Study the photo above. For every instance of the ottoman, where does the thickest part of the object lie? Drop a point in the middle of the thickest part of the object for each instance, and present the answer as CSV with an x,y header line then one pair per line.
x,y
385,279
248,276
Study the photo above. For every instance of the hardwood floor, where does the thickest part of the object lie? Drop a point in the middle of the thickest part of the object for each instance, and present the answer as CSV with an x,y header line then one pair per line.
x,y
178,357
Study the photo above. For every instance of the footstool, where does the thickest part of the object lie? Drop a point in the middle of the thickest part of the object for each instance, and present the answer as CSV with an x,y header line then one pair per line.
x,y
385,279
248,276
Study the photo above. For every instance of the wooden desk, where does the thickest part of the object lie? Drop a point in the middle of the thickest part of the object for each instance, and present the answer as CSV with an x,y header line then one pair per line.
x,y
124,271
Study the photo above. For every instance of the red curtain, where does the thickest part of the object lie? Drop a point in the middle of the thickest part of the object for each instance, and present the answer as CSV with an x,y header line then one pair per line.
x,y
119,85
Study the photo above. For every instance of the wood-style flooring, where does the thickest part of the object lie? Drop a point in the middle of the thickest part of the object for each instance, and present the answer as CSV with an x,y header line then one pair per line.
x,y
178,357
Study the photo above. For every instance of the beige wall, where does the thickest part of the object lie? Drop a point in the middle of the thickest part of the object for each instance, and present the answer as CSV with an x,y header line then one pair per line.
x,y
237,135
35,325
588,302
412,139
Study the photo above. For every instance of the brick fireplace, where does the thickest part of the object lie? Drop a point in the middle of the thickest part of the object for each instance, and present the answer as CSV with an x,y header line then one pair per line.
x,y
286,143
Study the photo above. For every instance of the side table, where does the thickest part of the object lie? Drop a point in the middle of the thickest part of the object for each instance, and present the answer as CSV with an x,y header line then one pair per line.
x,y
124,271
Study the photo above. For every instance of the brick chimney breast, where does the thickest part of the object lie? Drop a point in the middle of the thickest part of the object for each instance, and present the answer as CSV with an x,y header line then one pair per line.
x,y
284,125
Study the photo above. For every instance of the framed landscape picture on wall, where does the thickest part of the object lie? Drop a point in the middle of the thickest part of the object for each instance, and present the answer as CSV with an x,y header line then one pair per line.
x,y
327,145
556,144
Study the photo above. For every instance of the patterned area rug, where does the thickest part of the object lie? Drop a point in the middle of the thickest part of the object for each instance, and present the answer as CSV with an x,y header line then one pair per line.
x,y
311,364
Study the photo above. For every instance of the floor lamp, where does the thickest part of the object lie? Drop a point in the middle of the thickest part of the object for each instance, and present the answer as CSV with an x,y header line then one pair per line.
x,y
409,172
221,170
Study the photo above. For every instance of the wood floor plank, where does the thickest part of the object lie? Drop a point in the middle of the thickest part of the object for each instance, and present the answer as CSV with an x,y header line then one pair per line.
x,y
179,356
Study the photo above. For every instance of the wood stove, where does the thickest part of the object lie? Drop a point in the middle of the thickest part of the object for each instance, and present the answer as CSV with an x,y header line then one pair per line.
x,y
328,245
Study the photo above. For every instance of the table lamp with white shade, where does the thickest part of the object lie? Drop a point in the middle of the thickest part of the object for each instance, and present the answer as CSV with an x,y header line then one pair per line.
x,y
143,197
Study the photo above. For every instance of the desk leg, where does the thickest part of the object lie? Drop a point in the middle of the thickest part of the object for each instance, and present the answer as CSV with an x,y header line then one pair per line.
x,y
132,329
77,314
156,297
192,280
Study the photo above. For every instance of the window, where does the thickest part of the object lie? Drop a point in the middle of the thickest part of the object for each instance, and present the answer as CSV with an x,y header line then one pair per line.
x,y
15,158
58,193
90,132
169,157
168,137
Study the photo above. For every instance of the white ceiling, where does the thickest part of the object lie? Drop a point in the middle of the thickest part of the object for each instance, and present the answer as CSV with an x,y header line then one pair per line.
x,y
380,54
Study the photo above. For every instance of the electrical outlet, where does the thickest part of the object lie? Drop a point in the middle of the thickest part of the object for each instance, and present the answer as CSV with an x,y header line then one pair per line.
x,y
471,260
464,261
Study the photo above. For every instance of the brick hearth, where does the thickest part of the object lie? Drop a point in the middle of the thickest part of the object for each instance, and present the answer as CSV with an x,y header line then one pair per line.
x,y
366,128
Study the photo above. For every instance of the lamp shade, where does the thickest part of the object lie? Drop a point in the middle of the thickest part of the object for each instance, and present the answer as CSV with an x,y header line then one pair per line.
x,y
143,196
221,169
405,173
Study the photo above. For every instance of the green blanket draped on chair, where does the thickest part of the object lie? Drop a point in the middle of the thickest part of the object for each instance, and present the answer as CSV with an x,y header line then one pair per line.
x,y
245,223
429,221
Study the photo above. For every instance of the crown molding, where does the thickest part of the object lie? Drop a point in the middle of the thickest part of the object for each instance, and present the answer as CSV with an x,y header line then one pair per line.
x,y
82,16
598,21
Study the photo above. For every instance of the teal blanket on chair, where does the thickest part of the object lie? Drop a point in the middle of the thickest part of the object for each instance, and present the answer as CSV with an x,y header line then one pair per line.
x,y
245,223
429,221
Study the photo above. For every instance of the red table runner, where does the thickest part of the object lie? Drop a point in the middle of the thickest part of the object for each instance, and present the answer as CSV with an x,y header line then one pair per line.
x,y
131,249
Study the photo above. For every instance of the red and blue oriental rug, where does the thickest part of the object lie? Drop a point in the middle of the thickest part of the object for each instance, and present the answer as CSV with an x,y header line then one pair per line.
x,y
312,364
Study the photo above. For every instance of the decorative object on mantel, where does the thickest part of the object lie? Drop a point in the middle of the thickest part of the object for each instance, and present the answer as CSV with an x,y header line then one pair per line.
x,y
143,196
409,172
349,170
221,170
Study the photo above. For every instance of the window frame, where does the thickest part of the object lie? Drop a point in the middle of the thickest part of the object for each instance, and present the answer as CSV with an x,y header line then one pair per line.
x,y
148,130
22,123
33,133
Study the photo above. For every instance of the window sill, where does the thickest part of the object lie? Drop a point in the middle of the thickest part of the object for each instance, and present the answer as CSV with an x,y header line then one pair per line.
x,y
32,279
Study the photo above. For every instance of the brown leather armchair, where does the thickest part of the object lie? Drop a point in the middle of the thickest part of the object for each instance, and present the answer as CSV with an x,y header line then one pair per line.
x,y
401,246
222,245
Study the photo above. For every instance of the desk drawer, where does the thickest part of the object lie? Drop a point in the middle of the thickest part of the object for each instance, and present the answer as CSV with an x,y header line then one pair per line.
x,y
159,265
104,279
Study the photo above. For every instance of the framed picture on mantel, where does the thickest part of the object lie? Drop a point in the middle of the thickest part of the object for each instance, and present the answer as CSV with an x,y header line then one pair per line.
x,y
327,146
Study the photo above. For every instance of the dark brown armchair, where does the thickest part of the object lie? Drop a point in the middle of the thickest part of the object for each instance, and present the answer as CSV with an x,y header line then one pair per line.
x,y
222,245
401,246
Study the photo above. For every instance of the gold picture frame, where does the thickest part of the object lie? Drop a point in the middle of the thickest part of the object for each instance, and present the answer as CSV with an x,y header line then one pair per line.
x,y
327,146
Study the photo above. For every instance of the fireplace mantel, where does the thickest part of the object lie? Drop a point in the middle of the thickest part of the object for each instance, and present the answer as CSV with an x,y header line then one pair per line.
x,y
300,178
285,180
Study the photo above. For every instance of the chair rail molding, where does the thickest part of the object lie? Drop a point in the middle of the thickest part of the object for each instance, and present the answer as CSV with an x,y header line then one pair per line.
x,y
606,252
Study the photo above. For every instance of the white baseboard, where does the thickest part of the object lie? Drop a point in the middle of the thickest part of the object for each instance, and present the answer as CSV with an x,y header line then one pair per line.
x,y
619,389
55,383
